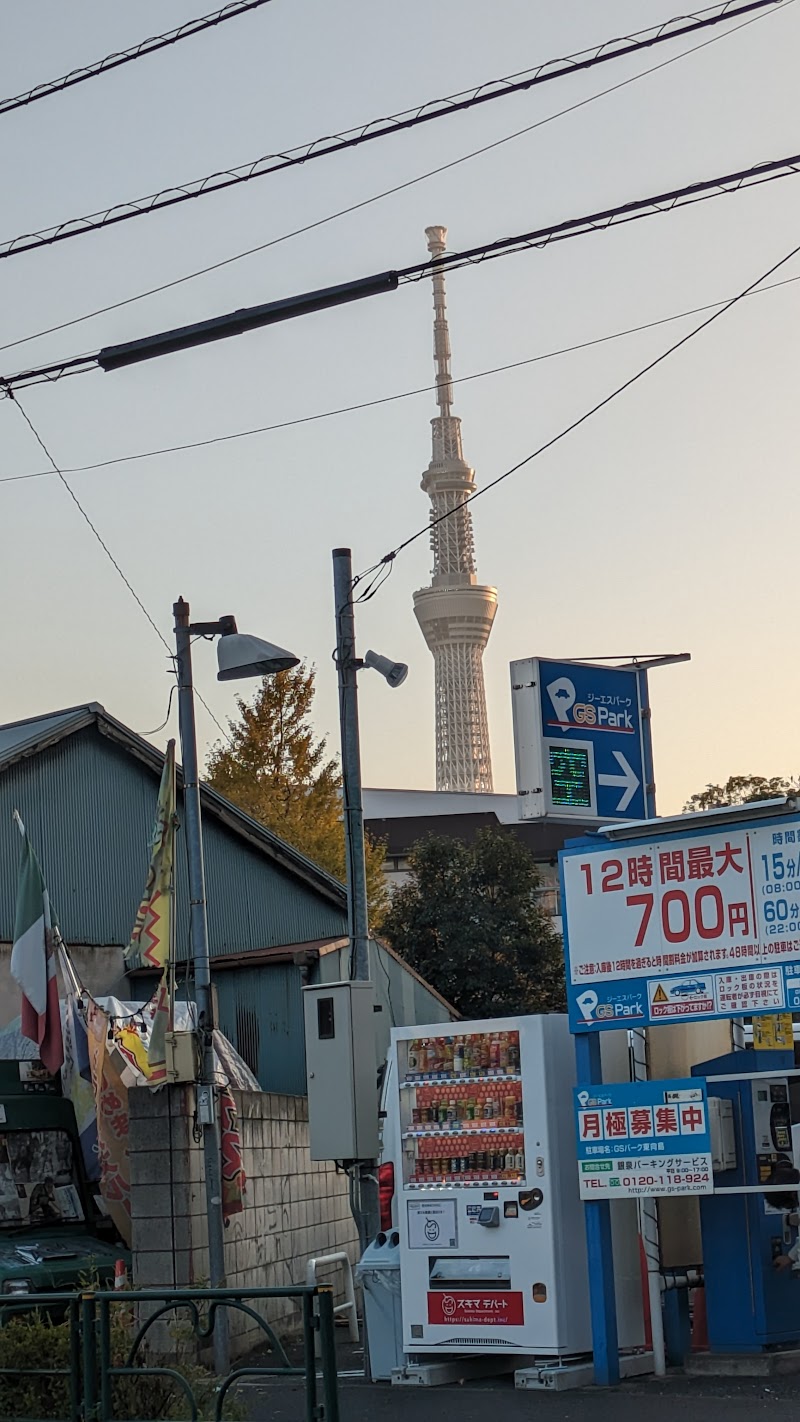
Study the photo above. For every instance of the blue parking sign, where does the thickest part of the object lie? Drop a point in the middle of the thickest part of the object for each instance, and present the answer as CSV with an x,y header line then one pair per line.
x,y
579,740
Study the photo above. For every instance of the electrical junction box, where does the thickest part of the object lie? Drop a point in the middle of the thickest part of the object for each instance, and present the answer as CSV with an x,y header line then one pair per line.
x,y
723,1136
342,1071
180,1051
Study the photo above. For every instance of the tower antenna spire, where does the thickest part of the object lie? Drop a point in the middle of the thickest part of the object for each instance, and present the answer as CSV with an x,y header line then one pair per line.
x,y
455,613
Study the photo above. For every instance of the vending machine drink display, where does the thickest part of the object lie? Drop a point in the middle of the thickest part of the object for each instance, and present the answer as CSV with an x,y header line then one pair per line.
x,y
492,1238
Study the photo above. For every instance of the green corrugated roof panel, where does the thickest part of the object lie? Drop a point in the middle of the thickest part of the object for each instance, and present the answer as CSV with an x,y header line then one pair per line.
x,y
86,788
22,737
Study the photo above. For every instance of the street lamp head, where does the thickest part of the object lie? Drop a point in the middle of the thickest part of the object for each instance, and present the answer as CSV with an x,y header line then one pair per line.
x,y
240,655
394,673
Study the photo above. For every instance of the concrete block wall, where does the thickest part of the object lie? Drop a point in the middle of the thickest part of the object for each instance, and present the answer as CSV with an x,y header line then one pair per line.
x,y
295,1208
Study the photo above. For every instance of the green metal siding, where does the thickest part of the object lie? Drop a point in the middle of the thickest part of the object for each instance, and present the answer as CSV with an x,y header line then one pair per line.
x,y
89,807
261,1012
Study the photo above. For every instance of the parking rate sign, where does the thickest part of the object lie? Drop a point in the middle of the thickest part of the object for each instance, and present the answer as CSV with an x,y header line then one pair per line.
x,y
578,740
683,927
643,1138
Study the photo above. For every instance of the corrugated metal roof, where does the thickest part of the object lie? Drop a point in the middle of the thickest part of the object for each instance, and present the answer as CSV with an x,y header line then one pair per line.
x,y
19,738
87,796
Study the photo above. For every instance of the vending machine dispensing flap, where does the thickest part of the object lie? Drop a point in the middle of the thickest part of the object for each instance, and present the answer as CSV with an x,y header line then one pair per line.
x,y
470,1273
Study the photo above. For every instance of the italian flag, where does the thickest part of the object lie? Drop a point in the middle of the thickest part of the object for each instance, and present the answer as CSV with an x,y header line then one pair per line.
x,y
33,963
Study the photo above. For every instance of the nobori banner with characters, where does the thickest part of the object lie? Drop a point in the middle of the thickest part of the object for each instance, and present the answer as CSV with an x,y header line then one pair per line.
x,y
683,927
643,1138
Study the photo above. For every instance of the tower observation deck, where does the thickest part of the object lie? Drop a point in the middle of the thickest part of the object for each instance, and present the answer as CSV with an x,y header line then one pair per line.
x,y
456,612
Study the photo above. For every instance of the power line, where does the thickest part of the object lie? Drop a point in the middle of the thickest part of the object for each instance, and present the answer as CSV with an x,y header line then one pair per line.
x,y
139,51
85,516
112,356
388,192
598,221
388,399
380,128
582,419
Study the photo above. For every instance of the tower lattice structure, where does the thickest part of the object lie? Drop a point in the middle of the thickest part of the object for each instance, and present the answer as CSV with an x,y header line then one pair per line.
x,y
456,612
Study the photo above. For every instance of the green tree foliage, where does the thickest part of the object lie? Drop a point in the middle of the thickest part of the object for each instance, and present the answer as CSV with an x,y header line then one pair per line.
x,y
278,771
740,790
470,923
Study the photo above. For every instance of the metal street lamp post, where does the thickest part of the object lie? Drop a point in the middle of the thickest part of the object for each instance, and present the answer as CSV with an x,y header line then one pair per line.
x,y
239,655
348,665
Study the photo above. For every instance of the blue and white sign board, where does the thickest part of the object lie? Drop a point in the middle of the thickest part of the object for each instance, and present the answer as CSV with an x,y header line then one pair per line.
x,y
578,741
687,926
643,1138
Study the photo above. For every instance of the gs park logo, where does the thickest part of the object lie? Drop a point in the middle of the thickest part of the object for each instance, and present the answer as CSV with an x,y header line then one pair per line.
x,y
593,716
621,1007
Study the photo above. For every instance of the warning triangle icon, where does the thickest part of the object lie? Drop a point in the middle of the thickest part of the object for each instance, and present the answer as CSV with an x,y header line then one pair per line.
x,y
659,995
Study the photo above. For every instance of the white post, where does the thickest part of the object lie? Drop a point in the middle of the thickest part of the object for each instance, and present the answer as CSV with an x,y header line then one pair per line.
x,y
648,1228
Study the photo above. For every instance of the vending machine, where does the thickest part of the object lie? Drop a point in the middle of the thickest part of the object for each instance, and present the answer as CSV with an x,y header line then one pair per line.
x,y
492,1236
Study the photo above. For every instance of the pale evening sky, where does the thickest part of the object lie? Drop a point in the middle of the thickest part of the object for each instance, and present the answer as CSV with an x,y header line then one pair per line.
x,y
664,524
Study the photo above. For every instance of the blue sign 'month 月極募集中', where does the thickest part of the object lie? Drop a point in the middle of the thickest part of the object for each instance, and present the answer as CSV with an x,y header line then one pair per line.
x,y
579,740
643,1138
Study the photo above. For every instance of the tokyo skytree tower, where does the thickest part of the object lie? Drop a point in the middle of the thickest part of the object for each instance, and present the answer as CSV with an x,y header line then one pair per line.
x,y
456,612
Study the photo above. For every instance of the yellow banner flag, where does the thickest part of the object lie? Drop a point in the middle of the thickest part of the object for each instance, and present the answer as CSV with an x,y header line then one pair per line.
x,y
151,939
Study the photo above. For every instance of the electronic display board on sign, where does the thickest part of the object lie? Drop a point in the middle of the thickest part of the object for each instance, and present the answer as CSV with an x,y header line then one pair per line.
x,y
683,927
570,771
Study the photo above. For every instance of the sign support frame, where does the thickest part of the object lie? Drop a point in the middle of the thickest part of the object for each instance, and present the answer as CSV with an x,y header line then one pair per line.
x,y
589,1067
597,1214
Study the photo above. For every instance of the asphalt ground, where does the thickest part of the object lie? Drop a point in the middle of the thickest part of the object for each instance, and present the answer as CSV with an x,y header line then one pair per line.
x,y
674,1399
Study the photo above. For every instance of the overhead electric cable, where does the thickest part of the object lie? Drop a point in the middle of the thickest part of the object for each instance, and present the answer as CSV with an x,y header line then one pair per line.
x,y
387,399
84,515
110,556
611,216
127,56
164,342
390,192
581,419
381,128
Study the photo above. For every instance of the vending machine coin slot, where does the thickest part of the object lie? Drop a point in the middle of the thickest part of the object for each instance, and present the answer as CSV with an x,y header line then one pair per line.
x,y
530,1199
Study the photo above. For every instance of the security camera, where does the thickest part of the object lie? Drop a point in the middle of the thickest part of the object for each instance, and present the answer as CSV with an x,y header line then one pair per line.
x,y
394,672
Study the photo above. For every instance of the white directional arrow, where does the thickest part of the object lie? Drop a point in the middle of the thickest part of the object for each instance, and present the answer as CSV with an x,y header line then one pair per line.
x,y
628,781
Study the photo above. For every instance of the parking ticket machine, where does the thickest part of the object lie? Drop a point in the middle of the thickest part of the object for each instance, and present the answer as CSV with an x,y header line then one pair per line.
x,y
750,1305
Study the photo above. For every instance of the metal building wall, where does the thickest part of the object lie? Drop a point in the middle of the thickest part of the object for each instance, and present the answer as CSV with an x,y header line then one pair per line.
x,y
403,999
89,807
261,1012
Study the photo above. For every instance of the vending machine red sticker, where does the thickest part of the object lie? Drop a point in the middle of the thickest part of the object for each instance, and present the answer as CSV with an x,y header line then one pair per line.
x,y
463,1308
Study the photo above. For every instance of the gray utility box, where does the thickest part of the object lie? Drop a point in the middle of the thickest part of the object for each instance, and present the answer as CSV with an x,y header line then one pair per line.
x,y
379,1276
342,1071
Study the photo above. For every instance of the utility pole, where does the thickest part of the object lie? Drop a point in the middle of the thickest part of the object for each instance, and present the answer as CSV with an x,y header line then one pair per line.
x,y
347,665
206,1108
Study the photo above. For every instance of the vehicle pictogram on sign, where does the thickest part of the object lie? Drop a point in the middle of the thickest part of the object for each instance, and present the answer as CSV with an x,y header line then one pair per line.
x,y
686,997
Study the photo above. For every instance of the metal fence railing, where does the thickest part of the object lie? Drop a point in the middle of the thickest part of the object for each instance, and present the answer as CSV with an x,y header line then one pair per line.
x,y
107,1340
